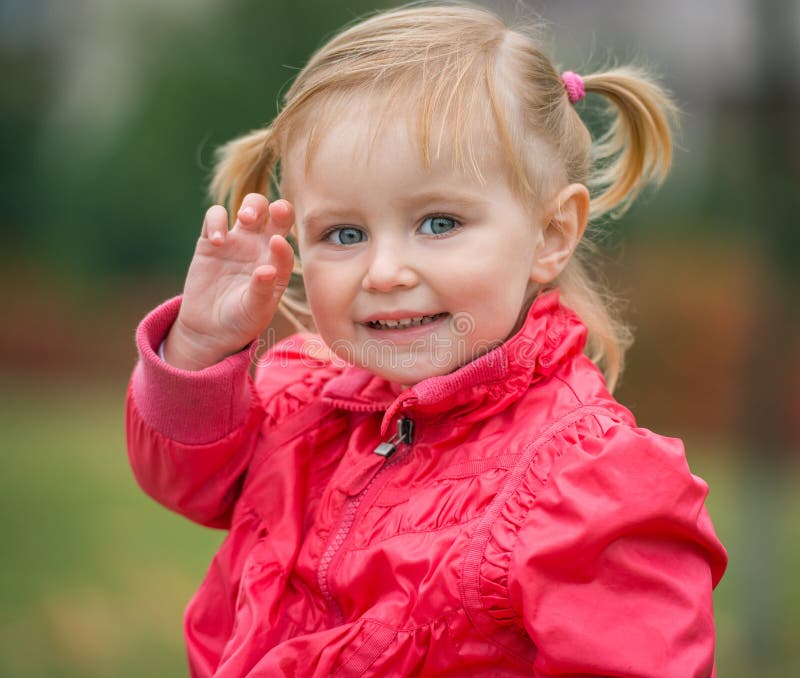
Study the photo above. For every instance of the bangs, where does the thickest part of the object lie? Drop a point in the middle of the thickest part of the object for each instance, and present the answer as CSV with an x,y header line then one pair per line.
x,y
451,111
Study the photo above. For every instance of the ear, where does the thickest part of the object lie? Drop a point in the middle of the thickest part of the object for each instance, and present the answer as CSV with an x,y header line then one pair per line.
x,y
562,228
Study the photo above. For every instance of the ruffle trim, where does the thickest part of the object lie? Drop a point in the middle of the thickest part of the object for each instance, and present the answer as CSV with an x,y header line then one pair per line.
x,y
493,574
289,379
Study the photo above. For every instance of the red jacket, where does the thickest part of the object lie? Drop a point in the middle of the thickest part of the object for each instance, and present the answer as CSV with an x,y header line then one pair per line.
x,y
529,527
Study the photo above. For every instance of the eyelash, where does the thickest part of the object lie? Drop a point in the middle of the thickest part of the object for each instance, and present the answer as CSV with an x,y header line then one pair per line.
x,y
457,225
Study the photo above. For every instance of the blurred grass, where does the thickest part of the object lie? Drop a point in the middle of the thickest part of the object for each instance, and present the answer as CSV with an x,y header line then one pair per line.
x,y
94,575
756,512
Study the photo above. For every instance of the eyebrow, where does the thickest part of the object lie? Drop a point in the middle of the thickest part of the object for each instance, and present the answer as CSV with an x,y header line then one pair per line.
x,y
448,197
319,218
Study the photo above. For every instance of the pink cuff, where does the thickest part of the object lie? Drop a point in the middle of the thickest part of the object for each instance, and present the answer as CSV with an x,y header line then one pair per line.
x,y
188,407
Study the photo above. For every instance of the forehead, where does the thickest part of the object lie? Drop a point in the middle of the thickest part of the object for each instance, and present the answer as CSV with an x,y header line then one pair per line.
x,y
364,129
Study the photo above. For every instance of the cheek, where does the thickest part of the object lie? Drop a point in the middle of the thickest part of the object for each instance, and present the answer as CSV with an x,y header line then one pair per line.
x,y
329,294
481,272
320,296
311,284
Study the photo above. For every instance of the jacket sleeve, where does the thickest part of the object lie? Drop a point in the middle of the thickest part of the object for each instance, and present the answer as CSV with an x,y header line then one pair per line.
x,y
614,566
190,435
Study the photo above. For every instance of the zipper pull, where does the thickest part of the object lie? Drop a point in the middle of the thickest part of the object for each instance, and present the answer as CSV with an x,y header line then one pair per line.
x,y
405,434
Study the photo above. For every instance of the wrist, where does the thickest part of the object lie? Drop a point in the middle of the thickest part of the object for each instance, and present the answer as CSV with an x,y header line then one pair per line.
x,y
186,352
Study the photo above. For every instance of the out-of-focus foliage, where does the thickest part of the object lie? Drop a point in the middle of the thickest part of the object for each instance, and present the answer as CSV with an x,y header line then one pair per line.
x,y
111,113
115,185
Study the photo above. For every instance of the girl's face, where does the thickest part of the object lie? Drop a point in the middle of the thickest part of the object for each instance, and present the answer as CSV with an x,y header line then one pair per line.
x,y
383,238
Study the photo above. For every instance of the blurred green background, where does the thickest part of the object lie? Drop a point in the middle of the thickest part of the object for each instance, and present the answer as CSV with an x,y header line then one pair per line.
x,y
110,113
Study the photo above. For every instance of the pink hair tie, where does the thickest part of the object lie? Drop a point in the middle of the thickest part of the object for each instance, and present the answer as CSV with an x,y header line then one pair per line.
x,y
574,84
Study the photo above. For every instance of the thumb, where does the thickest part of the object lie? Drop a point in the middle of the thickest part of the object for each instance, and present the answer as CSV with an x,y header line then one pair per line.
x,y
282,258
258,300
262,284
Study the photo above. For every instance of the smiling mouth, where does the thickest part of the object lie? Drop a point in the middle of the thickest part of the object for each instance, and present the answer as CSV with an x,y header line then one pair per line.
x,y
402,324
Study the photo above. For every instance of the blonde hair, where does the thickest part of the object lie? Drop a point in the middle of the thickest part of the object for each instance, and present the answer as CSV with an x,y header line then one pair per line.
x,y
459,61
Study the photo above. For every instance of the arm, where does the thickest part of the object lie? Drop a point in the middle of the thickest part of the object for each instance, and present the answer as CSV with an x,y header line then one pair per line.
x,y
616,561
191,424
190,434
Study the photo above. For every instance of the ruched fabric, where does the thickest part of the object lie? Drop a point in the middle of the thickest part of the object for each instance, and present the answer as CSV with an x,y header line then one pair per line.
x,y
530,528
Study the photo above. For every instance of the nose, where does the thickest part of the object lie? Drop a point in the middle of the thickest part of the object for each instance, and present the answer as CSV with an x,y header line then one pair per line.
x,y
388,268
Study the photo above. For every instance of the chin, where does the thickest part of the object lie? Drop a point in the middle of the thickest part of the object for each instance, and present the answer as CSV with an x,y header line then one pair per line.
x,y
408,378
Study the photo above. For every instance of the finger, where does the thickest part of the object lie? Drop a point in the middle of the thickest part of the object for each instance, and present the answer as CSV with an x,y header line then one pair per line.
x,y
282,258
263,280
281,217
253,214
258,299
268,282
215,224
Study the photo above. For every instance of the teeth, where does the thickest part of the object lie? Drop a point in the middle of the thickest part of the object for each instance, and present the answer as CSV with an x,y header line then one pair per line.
x,y
406,322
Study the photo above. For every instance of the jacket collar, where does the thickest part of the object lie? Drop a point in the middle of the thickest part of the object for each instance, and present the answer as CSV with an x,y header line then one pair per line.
x,y
550,335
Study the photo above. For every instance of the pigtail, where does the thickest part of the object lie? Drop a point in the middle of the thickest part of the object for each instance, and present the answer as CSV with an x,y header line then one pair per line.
x,y
244,165
634,152
637,148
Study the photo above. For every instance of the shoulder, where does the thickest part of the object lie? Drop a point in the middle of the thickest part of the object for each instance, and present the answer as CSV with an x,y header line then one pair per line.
x,y
602,482
595,501
592,478
596,454
620,533
611,466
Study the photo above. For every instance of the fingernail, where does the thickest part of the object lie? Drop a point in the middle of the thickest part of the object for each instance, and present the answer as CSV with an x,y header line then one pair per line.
x,y
248,212
216,236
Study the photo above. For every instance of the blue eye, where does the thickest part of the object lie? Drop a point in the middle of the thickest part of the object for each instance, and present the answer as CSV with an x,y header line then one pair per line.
x,y
439,225
349,235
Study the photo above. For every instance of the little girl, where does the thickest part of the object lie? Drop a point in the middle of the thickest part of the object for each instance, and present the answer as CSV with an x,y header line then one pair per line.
x,y
431,477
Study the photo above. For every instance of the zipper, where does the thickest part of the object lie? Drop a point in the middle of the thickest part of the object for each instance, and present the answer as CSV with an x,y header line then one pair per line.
x,y
387,449
405,434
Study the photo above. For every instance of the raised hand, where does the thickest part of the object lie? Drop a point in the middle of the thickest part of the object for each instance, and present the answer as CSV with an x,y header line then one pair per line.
x,y
234,283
